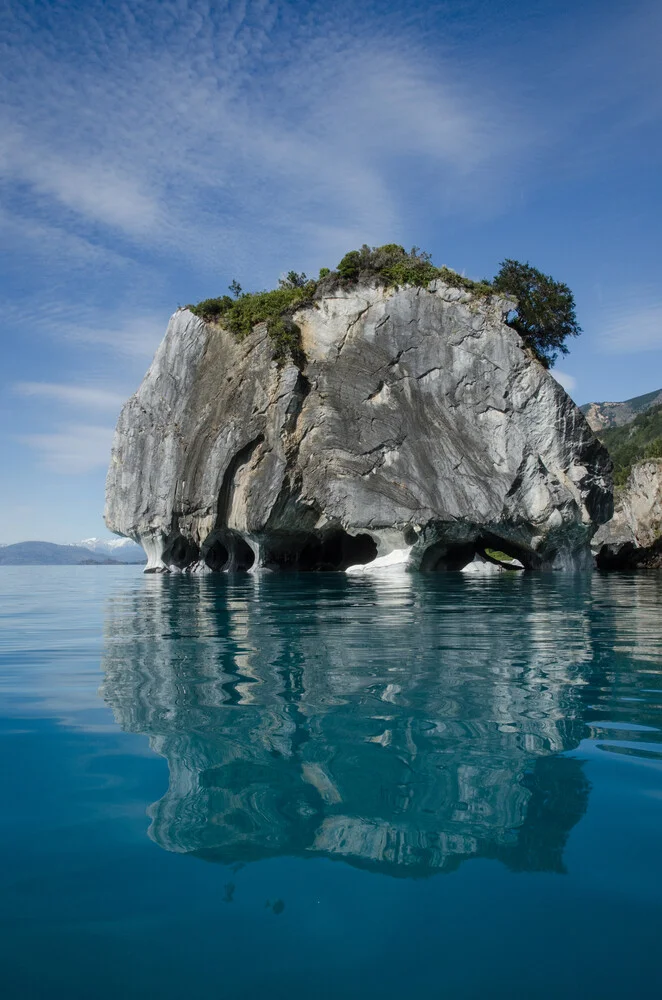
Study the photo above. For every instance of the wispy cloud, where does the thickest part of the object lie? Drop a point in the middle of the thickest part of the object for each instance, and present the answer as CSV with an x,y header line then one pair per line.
x,y
99,190
259,129
634,326
72,449
247,129
51,244
127,339
569,382
86,397
188,154
132,336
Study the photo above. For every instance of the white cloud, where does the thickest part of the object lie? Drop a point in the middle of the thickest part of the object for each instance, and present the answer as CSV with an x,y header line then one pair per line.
x,y
130,336
99,190
634,329
569,382
86,397
253,130
72,449
51,244
198,157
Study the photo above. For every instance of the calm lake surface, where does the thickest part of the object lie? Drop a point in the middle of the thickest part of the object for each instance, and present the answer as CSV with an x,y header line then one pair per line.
x,y
310,786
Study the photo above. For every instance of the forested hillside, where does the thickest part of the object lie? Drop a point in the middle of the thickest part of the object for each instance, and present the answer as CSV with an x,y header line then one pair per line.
x,y
637,440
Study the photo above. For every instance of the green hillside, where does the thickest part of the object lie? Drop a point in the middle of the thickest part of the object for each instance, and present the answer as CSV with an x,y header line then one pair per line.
x,y
641,403
637,440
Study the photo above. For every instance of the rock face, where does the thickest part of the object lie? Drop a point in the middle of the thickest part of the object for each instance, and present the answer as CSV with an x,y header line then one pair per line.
x,y
419,425
633,537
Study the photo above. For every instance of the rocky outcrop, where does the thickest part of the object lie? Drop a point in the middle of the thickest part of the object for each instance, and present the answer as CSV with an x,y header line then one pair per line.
x,y
633,537
602,416
419,424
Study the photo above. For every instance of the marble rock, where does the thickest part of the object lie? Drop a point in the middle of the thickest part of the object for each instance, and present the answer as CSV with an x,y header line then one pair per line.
x,y
420,423
633,537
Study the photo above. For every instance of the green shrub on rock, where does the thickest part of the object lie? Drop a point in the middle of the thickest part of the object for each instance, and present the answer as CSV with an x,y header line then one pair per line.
x,y
634,442
274,308
544,317
293,280
211,309
389,265
350,265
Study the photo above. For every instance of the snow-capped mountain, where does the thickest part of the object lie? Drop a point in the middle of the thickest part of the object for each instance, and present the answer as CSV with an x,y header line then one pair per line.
x,y
122,549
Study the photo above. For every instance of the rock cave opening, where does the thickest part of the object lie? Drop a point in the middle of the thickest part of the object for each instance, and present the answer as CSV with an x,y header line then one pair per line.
x,y
217,556
243,555
332,553
627,557
503,552
229,553
445,556
181,552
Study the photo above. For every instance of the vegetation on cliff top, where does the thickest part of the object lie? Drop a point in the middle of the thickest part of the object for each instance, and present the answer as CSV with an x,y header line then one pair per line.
x,y
634,442
544,316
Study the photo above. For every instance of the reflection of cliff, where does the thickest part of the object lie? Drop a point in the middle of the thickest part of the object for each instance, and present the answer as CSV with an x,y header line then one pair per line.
x,y
403,725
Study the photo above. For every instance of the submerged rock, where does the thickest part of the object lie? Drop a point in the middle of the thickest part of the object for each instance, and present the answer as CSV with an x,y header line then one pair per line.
x,y
419,423
633,537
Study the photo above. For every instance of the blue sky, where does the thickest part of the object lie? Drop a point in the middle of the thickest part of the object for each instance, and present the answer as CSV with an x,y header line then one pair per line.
x,y
152,151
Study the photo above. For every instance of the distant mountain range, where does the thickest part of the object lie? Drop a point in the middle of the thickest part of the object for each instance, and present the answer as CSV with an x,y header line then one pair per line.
x,y
92,551
122,549
602,416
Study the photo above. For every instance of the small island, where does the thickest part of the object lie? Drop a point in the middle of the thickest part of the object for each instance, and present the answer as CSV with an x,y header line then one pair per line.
x,y
389,413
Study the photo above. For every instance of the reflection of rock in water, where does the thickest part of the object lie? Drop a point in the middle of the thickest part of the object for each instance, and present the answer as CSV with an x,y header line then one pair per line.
x,y
404,725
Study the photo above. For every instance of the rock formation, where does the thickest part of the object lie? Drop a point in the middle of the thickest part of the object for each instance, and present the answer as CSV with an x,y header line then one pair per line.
x,y
419,424
633,537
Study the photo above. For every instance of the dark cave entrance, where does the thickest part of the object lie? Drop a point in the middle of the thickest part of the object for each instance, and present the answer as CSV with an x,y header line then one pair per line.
x,y
447,557
244,557
332,553
627,557
501,551
451,557
181,553
216,557
229,554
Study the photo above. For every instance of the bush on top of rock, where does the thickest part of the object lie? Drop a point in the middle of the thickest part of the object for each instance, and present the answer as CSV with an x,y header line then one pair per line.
x,y
544,315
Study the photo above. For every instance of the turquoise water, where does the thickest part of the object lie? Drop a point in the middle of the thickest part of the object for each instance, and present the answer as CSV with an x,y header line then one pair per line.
x,y
308,786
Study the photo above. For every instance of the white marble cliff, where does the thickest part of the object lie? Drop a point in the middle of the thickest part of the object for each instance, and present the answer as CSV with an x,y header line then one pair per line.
x,y
418,432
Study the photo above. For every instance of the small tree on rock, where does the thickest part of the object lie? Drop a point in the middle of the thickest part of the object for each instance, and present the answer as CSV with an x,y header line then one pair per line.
x,y
545,314
293,280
